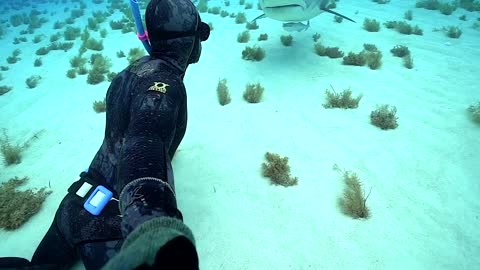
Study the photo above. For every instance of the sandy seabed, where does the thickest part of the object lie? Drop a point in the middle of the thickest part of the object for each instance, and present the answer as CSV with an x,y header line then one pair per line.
x,y
424,176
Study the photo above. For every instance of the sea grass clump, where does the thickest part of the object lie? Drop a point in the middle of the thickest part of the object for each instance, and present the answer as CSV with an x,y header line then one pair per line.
x,y
5,89
18,206
240,18
355,59
404,27
33,81
453,32
214,10
253,92
370,47
374,59
253,53
408,61
343,99
384,117
371,25
71,73
99,106
243,37
474,112
353,203
252,25
263,37
223,94
202,6
400,51
286,40
134,54
100,68
408,15
331,52
12,153
277,169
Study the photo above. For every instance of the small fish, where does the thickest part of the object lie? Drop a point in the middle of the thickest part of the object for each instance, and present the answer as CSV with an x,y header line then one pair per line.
x,y
296,26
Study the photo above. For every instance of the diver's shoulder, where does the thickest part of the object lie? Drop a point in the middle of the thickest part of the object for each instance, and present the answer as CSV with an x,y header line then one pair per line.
x,y
148,66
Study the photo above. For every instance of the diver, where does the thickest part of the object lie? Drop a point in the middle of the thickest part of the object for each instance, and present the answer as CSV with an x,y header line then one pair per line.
x,y
122,212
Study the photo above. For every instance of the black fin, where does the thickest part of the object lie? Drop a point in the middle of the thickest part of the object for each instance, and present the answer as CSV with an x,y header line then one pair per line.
x,y
259,17
338,14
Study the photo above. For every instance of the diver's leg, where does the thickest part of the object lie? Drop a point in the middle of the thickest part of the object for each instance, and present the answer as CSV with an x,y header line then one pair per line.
x,y
54,249
94,238
13,262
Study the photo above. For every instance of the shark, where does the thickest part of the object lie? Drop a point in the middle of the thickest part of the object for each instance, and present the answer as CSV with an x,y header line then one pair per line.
x,y
295,10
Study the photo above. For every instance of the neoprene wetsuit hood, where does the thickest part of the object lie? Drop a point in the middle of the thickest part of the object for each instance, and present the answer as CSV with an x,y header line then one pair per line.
x,y
175,31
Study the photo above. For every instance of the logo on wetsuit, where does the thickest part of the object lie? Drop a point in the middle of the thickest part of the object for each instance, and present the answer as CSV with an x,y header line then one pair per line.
x,y
159,87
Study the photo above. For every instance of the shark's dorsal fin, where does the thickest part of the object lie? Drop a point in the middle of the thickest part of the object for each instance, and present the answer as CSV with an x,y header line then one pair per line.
x,y
336,13
259,17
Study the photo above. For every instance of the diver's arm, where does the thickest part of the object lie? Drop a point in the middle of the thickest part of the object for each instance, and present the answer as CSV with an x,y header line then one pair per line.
x,y
151,223
145,181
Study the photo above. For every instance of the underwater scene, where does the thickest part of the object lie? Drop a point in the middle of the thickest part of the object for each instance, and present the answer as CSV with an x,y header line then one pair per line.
x,y
322,134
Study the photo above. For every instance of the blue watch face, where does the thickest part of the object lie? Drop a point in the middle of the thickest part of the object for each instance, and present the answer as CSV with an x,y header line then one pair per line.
x,y
97,200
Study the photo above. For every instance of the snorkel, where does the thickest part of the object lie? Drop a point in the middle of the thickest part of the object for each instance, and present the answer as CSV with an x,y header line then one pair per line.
x,y
141,33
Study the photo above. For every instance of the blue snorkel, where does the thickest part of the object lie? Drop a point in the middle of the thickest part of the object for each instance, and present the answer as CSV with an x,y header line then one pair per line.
x,y
141,33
